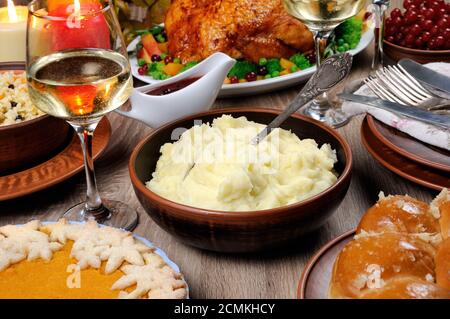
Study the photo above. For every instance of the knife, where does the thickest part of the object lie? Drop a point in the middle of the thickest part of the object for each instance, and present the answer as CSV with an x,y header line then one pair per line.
x,y
409,111
427,76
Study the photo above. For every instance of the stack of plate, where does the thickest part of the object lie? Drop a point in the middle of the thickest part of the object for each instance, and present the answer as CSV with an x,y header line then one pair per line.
x,y
406,156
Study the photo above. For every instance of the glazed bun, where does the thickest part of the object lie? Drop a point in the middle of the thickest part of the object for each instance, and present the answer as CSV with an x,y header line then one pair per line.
x,y
402,214
401,250
367,262
407,287
440,208
442,261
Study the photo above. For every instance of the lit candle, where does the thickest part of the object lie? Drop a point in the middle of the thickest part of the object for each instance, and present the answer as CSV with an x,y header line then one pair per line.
x,y
13,25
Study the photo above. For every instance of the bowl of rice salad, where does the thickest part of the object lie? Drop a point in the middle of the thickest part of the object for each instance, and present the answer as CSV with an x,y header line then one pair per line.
x,y
27,135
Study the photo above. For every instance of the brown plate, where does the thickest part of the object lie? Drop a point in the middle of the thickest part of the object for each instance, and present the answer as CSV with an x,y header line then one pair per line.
x,y
411,170
317,273
409,147
63,165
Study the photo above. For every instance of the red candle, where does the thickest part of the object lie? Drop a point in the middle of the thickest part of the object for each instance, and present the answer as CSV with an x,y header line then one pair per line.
x,y
84,25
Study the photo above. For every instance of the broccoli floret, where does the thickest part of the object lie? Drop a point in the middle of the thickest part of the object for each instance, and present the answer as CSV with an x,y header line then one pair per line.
x,y
241,68
157,29
350,31
156,66
273,65
300,61
188,65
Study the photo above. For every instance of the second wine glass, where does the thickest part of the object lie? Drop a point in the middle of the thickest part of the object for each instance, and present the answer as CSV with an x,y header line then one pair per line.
x,y
321,17
78,70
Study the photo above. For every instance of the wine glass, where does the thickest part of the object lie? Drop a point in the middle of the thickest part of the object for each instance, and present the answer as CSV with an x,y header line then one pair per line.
x,y
321,17
78,70
379,10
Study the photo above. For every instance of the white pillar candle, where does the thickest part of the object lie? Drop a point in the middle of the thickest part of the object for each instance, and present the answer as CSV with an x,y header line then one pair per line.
x,y
13,25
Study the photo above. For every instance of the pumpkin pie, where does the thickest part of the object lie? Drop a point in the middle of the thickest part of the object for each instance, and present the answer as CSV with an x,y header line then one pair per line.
x,y
65,260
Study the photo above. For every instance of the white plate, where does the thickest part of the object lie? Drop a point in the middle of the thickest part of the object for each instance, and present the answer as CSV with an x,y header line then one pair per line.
x,y
261,86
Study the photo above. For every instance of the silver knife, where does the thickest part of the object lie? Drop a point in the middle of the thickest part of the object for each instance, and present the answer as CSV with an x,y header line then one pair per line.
x,y
427,76
409,111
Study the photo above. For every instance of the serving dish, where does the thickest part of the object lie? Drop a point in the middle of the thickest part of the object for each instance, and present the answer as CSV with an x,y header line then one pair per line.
x,y
316,275
398,164
261,86
410,147
58,168
26,143
396,53
198,96
240,231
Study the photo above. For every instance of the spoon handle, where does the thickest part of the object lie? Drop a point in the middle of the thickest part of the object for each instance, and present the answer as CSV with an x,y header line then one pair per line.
x,y
331,72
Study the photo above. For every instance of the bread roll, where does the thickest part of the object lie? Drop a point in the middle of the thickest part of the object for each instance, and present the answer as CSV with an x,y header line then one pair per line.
x,y
402,214
440,208
401,250
367,262
407,287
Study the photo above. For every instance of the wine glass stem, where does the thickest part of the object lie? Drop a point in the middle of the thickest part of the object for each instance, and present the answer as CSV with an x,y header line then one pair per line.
x,y
94,204
377,61
320,41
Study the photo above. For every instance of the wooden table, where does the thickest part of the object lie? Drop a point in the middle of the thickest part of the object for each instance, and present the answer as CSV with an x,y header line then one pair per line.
x,y
211,275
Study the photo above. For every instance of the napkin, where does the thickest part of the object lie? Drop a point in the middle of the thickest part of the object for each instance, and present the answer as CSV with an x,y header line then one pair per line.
x,y
424,132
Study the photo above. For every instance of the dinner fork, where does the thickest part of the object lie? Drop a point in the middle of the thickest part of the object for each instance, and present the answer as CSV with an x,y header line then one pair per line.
x,y
395,84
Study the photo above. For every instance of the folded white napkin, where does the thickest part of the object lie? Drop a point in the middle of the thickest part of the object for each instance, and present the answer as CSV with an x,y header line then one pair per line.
x,y
424,132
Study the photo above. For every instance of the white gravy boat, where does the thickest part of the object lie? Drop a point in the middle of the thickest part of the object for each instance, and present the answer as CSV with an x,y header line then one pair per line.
x,y
156,110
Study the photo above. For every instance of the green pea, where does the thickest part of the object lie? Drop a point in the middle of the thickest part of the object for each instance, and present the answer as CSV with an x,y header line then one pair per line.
x,y
163,56
346,46
177,60
295,68
340,42
274,74
267,76
141,62
262,61
341,49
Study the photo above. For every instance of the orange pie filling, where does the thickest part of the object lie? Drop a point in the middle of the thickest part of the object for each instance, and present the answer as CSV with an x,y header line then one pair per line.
x,y
73,261
60,277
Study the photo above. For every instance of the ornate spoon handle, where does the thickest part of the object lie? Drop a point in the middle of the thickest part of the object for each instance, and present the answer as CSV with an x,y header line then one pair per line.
x,y
332,71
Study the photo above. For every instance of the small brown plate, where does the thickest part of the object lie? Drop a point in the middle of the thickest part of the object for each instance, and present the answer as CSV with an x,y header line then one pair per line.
x,y
63,165
411,170
409,147
317,273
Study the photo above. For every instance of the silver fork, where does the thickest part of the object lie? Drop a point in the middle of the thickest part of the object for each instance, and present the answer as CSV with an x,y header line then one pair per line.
x,y
395,84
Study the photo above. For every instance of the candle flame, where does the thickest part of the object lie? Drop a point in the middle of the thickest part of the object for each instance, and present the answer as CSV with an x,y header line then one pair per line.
x,y
12,14
76,7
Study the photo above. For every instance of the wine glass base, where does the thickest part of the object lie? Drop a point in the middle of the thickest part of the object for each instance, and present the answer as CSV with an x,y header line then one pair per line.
x,y
115,214
328,115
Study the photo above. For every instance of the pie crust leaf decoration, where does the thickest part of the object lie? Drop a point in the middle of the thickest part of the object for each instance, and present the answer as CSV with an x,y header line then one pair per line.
x,y
28,240
129,250
92,246
155,279
10,253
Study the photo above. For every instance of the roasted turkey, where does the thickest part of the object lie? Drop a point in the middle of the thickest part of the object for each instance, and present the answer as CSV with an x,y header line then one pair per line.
x,y
249,29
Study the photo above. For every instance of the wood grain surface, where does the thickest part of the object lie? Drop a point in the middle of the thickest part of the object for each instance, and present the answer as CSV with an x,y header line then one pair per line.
x,y
273,274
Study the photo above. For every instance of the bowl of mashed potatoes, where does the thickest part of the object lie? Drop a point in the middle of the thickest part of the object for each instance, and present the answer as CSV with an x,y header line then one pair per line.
x,y
202,180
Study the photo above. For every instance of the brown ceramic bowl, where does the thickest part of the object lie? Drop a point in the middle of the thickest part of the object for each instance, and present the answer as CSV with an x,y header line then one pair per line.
x,y
396,53
30,142
240,231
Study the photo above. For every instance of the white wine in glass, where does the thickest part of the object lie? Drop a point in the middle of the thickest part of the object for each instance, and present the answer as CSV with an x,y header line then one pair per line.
x,y
321,17
78,70
80,85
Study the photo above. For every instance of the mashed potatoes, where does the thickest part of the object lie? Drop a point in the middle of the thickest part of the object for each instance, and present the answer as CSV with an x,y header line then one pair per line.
x,y
216,167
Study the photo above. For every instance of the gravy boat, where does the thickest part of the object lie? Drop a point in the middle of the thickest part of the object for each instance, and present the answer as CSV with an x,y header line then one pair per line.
x,y
156,110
